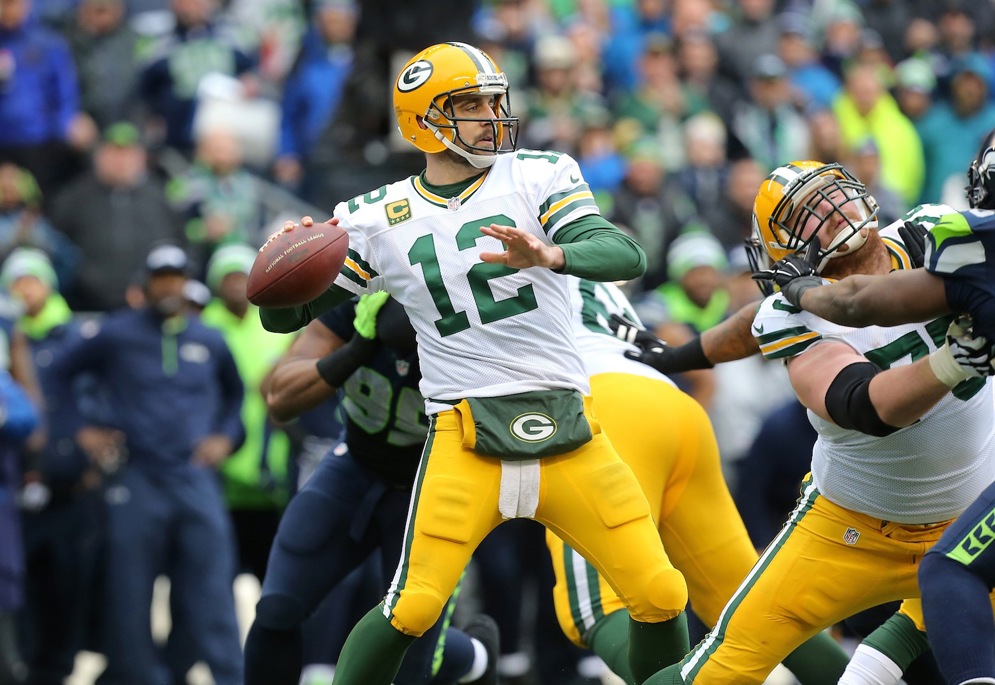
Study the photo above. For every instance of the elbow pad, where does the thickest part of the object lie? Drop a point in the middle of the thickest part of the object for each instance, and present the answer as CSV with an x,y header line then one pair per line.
x,y
848,401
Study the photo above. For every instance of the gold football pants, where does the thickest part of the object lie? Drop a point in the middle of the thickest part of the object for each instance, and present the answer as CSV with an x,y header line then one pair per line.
x,y
827,563
667,440
588,497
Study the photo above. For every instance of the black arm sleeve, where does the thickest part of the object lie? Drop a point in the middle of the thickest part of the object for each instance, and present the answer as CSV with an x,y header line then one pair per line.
x,y
848,401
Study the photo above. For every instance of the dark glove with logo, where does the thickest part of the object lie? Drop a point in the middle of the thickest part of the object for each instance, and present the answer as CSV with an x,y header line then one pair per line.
x,y
914,237
793,274
656,353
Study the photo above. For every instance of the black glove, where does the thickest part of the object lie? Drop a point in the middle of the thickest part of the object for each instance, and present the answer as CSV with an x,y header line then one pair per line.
x,y
793,274
656,353
914,237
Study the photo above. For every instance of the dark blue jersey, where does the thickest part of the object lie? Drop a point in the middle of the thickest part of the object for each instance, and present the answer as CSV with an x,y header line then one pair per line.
x,y
385,413
961,249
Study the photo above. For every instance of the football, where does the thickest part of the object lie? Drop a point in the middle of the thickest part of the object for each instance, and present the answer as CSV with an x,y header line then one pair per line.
x,y
294,267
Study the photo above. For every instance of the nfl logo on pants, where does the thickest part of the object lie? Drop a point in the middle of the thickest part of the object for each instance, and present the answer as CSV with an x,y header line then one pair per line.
x,y
850,536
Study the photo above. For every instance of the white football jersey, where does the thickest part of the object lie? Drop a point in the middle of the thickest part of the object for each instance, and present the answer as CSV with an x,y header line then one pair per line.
x,y
924,473
483,330
593,304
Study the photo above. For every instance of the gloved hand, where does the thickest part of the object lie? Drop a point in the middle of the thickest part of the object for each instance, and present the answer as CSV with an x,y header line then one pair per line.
x,y
341,363
793,274
367,309
656,353
963,355
914,237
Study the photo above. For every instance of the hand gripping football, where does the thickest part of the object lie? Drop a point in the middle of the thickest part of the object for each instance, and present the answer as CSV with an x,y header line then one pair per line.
x,y
294,267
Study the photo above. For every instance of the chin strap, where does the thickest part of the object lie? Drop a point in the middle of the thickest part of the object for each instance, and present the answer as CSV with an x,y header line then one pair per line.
x,y
478,161
853,243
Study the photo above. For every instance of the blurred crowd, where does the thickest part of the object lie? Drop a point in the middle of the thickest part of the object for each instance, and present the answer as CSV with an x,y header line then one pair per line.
x,y
126,125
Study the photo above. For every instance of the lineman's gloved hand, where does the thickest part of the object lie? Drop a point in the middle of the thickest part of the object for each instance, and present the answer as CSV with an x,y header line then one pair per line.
x,y
964,355
914,237
793,274
656,353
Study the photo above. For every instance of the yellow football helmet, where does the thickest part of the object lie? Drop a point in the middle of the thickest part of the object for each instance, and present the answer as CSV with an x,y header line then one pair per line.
x,y
423,96
795,194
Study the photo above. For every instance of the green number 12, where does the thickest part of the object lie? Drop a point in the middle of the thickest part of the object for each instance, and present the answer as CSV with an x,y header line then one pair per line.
x,y
489,309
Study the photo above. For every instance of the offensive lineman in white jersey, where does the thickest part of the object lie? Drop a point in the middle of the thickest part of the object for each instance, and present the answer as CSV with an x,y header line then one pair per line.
x,y
474,248
667,440
906,438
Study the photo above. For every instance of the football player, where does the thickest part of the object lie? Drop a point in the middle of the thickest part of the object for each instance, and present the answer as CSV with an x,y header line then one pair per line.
x,y
475,248
887,478
666,438
959,572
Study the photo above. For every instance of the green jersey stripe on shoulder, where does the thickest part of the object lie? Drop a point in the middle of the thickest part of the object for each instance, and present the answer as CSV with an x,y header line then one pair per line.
x,y
352,275
559,210
360,265
787,342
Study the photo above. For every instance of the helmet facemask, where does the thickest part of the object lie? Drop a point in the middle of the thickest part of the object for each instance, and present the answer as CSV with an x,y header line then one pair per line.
x,y
816,199
981,178
441,120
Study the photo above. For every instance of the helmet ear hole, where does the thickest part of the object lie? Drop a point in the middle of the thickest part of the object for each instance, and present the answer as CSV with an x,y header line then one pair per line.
x,y
421,122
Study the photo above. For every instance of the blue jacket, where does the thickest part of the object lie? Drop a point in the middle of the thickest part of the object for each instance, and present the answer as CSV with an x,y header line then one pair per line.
x,y
169,81
168,385
39,94
311,94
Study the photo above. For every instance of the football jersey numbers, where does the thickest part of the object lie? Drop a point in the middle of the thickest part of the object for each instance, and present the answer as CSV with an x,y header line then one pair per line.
x,y
369,403
490,310
913,346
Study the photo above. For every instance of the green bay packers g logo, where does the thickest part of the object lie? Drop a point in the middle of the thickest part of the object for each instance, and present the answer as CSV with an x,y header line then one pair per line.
x,y
414,76
533,427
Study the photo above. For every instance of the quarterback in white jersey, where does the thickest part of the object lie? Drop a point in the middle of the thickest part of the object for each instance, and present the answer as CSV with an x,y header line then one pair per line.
x,y
484,330
477,249
905,428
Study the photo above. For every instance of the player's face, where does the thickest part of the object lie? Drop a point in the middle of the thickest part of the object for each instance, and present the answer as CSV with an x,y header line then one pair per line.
x,y
480,133
826,213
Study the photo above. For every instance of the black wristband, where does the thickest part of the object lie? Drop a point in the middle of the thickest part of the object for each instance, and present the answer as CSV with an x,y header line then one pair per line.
x,y
336,367
794,290
691,355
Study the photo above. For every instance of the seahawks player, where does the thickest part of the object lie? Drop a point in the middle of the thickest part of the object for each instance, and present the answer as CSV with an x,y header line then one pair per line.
x,y
475,248
906,433
356,502
959,572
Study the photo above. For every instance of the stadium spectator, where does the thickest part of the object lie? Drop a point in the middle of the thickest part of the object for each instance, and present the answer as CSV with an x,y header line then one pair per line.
x,y
114,213
42,127
62,507
175,399
107,54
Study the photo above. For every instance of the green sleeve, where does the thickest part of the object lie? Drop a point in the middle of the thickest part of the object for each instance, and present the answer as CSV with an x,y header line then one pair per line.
x,y
596,249
290,319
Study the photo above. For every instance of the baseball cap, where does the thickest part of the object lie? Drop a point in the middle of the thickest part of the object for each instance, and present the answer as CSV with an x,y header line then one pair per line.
x,y
915,74
123,134
769,66
971,63
234,258
794,23
166,259
27,261
196,293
